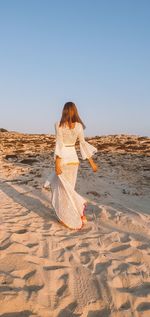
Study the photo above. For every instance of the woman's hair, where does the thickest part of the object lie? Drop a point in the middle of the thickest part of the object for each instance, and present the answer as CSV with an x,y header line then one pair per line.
x,y
70,114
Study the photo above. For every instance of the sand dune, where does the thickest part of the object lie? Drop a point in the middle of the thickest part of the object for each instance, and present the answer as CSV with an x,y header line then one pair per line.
x,y
47,270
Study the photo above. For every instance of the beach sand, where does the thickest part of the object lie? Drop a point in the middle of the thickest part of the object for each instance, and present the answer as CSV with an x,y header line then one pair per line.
x,y
47,270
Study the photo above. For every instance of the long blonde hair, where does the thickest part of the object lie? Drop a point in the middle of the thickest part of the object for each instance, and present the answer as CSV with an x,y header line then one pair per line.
x,y
70,115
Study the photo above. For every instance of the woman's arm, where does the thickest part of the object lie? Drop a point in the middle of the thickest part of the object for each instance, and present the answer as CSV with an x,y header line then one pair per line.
x,y
93,164
58,149
57,165
87,149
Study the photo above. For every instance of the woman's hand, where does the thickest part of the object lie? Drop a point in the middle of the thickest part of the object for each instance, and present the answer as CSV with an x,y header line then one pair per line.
x,y
58,170
93,165
57,166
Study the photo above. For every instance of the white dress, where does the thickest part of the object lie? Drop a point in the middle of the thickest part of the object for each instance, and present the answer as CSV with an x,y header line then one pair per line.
x,y
68,204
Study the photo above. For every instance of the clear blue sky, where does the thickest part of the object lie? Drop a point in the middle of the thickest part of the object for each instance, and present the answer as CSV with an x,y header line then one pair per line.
x,y
93,52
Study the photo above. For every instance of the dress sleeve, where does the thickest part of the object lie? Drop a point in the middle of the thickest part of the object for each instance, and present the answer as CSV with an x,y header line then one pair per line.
x,y
86,149
59,142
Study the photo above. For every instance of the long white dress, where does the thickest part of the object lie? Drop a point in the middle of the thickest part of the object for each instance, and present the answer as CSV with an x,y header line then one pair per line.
x,y
68,204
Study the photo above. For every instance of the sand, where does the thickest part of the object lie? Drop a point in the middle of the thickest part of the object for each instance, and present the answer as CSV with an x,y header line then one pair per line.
x,y
47,270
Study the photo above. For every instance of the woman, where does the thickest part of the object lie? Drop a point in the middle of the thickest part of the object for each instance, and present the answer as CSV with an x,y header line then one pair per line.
x,y
68,204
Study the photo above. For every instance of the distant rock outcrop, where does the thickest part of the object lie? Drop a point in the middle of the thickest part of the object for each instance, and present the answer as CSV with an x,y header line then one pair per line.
x,y
34,144
3,130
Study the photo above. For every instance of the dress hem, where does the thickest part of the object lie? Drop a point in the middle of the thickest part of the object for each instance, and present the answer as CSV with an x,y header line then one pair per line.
x,y
85,205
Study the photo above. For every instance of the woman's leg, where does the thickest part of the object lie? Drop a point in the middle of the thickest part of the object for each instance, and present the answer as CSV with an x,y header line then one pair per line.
x,y
69,171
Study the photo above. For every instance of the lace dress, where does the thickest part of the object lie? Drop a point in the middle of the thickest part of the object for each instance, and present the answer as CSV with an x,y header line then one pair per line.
x,y
68,204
